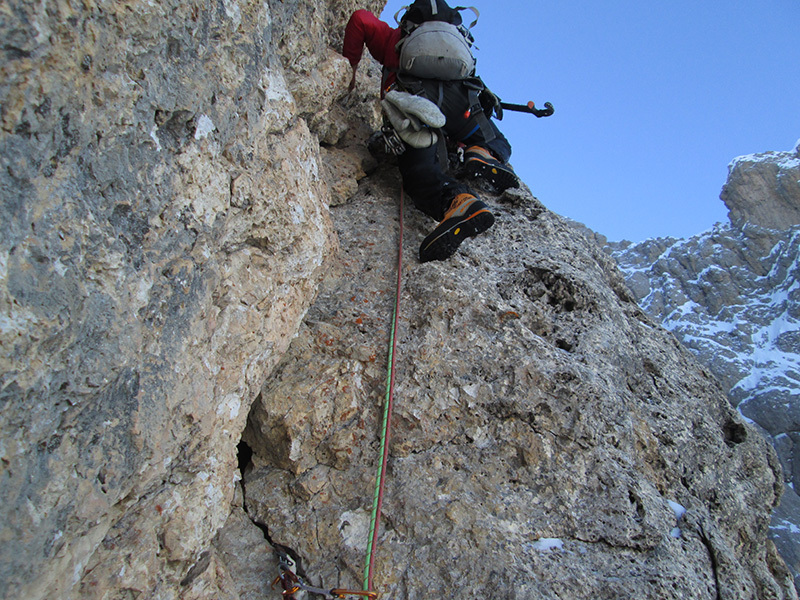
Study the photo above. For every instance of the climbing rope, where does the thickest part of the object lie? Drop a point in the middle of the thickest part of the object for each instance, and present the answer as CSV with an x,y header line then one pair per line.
x,y
380,479
288,579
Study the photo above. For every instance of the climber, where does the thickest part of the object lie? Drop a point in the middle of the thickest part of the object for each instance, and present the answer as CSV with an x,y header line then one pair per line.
x,y
425,94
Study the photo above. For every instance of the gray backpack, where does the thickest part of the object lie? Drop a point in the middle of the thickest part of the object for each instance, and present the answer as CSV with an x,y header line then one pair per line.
x,y
436,49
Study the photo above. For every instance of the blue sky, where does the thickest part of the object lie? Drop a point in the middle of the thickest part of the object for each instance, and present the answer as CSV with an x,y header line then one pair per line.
x,y
652,100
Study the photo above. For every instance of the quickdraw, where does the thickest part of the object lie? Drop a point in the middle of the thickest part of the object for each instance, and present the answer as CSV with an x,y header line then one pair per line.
x,y
292,583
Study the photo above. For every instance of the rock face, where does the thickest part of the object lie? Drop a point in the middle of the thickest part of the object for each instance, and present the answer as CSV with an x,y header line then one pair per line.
x,y
732,296
764,190
166,230
548,436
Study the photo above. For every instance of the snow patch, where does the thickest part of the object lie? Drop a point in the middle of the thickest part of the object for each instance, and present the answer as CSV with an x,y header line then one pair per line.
x,y
204,127
786,526
154,137
545,544
784,160
677,509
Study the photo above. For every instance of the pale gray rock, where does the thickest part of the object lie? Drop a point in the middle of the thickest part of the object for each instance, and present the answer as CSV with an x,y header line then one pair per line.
x,y
164,229
763,189
545,431
246,557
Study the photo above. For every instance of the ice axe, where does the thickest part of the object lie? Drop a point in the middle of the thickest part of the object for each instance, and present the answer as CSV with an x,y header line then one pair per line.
x,y
530,107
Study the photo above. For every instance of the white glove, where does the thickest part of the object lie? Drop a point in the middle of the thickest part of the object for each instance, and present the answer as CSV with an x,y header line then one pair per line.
x,y
417,106
412,116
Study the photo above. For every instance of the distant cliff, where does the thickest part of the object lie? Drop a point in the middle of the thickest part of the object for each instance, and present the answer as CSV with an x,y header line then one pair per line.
x,y
196,275
732,295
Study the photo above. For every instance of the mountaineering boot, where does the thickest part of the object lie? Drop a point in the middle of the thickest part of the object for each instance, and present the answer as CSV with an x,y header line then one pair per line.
x,y
481,163
466,217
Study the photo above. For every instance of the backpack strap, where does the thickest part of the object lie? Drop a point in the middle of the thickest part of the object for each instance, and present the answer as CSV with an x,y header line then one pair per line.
x,y
475,87
397,14
474,10
435,11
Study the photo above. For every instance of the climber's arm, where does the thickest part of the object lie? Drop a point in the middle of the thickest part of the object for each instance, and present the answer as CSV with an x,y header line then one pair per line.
x,y
365,29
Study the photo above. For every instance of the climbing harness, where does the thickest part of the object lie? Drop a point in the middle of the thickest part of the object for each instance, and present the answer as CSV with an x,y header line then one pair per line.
x,y
380,479
291,583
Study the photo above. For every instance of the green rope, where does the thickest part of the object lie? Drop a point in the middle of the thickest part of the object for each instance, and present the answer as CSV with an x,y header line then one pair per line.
x,y
381,467
387,410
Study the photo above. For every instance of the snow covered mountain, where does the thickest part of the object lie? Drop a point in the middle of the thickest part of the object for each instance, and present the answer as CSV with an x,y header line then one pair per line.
x,y
732,295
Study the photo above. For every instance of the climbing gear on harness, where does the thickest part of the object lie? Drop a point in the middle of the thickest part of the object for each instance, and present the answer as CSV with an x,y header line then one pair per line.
x,y
292,584
392,142
530,107
477,92
380,479
466,217
480,163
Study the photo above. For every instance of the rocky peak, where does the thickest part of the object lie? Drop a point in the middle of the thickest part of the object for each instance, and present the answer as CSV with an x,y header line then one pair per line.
x,y
764,190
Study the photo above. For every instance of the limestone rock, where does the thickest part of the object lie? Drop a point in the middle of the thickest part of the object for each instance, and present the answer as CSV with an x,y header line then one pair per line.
x,y
548,438
164,229
764,189
345,157
246,557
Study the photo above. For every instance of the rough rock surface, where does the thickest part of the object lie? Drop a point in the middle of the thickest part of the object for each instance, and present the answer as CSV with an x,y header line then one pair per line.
x,y
164,229
732,295
763,189
547,435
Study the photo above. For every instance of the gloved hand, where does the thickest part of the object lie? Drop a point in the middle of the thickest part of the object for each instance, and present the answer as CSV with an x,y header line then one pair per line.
x,y
412,117
491,103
